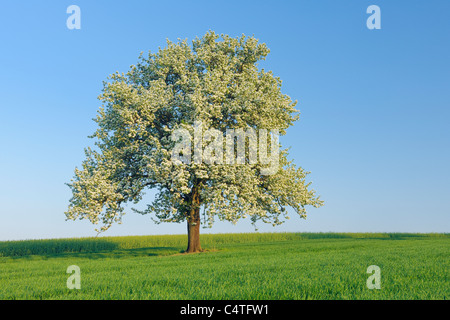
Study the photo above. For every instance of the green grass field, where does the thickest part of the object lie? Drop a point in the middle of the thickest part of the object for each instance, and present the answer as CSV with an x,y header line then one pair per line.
x,y
274,266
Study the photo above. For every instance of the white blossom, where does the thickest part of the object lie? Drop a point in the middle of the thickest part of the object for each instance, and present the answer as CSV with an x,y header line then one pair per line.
x,y
216,83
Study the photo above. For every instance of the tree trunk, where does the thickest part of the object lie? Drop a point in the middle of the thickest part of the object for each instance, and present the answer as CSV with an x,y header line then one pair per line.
x,y
193,223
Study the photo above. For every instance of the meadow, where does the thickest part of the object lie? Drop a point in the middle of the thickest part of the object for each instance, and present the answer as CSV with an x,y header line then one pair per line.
x,y
272,266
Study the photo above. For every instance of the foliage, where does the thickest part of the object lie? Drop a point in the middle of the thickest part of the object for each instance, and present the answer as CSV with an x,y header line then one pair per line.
x,y
217,84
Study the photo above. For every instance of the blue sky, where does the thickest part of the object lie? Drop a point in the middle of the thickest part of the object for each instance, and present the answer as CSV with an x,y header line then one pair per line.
x,y
375,104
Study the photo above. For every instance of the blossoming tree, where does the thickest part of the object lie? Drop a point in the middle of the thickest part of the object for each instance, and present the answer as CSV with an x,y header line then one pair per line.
x,y
215,82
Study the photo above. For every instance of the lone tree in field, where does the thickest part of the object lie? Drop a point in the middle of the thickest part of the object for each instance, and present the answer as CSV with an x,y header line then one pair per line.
x,y
190,89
